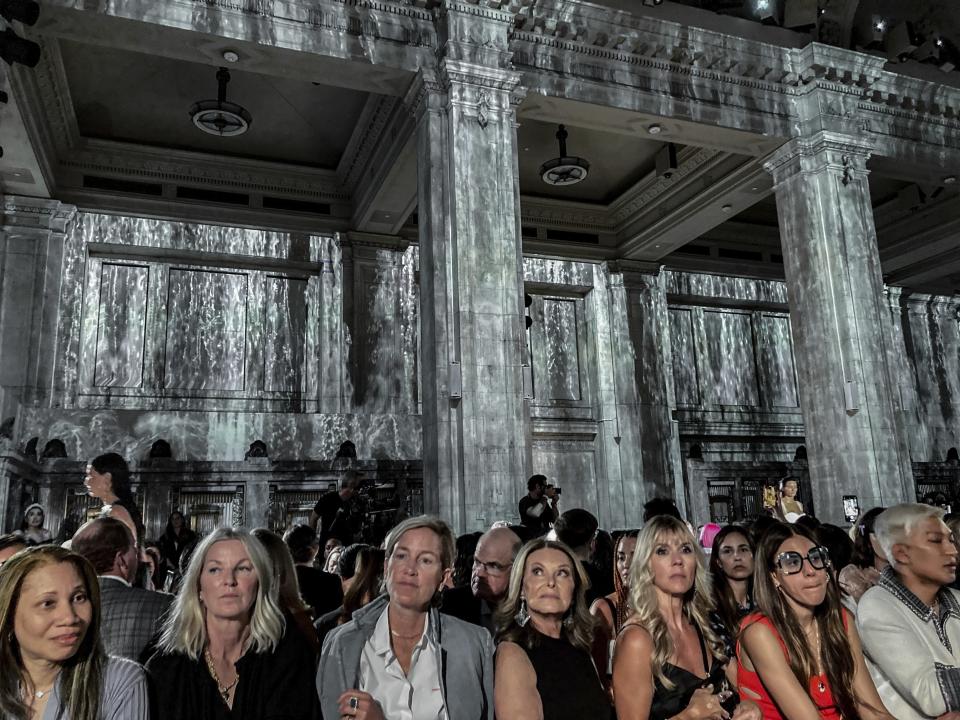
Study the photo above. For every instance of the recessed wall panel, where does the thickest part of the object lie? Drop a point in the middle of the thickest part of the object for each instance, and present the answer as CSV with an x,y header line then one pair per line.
x,y
732,371
284,339
685,381
559,358
775,354
206,338
121,326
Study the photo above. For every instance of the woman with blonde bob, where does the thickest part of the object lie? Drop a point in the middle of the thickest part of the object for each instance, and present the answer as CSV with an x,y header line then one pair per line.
x,y
544,670
669,663
52,663
226,650
399,657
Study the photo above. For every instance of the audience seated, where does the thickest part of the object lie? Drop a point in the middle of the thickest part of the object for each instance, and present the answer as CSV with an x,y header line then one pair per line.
x,y
910,620
177,536
226,650
288,590
10,545
53,662
668,661
321,590
33,529
395,654
130,617
731,571
363,588
799,657
477,602
611,610
577,529
544,633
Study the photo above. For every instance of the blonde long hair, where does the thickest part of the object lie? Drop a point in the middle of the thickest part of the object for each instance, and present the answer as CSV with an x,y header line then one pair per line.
x,y
81,679
643,601
185,630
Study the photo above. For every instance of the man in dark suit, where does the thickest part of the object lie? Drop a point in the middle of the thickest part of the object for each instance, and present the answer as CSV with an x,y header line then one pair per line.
x,y
489,580
131,617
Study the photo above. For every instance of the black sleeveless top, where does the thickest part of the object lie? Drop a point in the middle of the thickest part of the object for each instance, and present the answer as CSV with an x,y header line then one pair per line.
x,y
567,682
667,703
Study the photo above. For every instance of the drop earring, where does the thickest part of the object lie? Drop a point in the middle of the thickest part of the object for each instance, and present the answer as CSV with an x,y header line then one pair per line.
x,y
522,617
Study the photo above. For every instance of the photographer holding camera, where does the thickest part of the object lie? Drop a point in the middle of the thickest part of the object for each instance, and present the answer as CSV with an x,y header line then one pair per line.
x,y
538,508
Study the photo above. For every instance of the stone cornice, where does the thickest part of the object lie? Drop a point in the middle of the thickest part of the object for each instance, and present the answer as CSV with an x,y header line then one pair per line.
x,y
180,166
844,153
353,239
565,214
25,213
371,127
638,199
922,303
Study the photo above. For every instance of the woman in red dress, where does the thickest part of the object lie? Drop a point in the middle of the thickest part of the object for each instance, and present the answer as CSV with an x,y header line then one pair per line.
x,y
799,657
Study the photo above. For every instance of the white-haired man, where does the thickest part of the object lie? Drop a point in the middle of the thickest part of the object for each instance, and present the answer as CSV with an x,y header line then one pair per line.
x,y
909,622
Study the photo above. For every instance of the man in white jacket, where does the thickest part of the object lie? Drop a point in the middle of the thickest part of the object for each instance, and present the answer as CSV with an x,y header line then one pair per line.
x,y
909,622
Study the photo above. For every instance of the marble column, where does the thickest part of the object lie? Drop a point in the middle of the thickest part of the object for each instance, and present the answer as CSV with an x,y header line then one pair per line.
x,y
838,322
474,419
648,446
31,257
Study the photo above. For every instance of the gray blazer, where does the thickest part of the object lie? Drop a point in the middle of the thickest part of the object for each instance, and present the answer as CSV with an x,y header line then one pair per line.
x,y
466,662
130,617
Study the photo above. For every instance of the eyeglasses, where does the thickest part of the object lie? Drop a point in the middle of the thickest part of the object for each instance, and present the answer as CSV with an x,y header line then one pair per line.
x,y
791,562
491,568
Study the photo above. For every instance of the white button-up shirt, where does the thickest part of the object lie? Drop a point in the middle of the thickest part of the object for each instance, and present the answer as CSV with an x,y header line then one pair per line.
x,y
414,696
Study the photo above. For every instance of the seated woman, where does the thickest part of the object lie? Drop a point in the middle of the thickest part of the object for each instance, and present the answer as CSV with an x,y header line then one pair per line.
x,y
611,610
288,589
364,585
867,563
225,650
799,658
32,528
731,570
544,630
669,663
53,661
399,657
108,480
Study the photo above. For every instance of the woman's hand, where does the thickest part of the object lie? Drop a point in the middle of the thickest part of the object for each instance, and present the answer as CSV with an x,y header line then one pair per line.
x,y
360,705
747,710
705,705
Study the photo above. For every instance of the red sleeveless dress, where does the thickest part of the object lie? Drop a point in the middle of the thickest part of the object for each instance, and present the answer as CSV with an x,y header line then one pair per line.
x,y
751,688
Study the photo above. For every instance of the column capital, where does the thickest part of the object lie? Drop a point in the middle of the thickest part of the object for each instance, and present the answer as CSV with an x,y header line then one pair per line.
x,y
36,214
478,91
633,274
845,155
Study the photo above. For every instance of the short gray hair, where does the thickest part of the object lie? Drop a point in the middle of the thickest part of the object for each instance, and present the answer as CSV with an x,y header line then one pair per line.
x,y
443,531
895,524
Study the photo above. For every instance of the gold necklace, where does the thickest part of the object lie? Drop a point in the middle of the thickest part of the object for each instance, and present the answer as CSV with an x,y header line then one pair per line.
x,y
821,686
224,690
407,637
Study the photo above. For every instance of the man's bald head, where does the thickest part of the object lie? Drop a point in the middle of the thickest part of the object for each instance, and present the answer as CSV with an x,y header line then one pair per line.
x,y
493,559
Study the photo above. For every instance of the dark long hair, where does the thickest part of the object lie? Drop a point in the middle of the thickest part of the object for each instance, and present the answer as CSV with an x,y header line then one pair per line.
x,y
836,657
621,590
120,485
723,597
863,554
367,577
82,676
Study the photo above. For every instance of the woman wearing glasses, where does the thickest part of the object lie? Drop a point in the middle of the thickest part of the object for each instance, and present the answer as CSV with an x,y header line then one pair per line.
x,y
799,657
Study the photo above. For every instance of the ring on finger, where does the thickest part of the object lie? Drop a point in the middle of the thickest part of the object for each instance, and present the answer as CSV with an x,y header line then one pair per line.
x,y
354,702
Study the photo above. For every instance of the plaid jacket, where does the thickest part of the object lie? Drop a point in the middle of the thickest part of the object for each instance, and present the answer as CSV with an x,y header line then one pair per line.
x,y
130,618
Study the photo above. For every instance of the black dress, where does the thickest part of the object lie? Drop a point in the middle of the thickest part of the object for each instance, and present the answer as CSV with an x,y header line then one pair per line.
x,y
278,685
669,702
567,682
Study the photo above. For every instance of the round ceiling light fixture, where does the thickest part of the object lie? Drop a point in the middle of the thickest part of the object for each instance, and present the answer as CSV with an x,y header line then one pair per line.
x,y
231,56
564,170
655,129
220,117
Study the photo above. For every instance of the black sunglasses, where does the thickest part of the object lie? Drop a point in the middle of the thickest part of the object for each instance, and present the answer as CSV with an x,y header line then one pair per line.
x,y
791,562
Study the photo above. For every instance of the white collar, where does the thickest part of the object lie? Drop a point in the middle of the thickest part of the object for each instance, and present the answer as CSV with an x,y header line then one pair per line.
x,y
117,578
380,640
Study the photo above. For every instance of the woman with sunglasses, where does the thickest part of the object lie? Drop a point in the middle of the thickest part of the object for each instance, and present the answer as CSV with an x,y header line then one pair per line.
x,y
799,658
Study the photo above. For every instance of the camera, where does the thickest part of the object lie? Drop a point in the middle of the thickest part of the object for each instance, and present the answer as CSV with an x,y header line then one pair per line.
x,y
552,490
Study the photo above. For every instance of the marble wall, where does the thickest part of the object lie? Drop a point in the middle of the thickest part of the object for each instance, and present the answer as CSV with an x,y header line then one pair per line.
x,y
213,337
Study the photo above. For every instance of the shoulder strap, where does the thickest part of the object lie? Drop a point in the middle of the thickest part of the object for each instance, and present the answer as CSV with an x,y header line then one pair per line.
x,y
703,649
613,613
